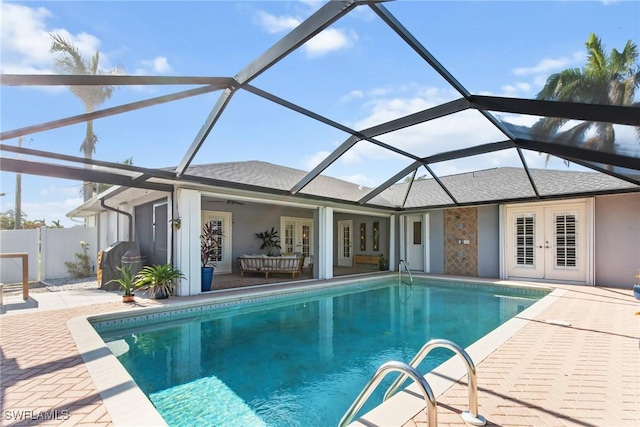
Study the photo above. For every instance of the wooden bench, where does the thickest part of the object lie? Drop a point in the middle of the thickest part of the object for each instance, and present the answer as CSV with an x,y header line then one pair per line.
x,y
366,259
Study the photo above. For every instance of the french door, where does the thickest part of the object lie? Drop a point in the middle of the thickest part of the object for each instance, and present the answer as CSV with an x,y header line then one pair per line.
x,y
415,244
297,237
222,258
547,242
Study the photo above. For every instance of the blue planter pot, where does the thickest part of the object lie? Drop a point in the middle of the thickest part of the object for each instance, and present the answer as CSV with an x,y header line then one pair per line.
x,y
207,278
636,291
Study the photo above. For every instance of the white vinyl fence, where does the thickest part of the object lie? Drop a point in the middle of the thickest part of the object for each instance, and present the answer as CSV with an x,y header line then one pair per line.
x,y
61,244
19,241
48,249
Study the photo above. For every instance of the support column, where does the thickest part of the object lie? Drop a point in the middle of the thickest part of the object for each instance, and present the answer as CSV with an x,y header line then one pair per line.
x,y
188,241
392,243
325,250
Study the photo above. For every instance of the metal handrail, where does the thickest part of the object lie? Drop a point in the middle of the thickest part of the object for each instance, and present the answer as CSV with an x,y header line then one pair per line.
x,y
383,370
406,267
472,417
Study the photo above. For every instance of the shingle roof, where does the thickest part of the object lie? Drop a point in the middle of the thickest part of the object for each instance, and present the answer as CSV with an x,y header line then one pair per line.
x,y
488,185
271,176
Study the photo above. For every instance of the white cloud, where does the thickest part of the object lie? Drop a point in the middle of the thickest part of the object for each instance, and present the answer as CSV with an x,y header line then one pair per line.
x,y
400,102
157,65
314,160
550,65
369,164
313,4
276,24
161,65
329,40
55,191
540,80
53,210
26,41
516,89
354,94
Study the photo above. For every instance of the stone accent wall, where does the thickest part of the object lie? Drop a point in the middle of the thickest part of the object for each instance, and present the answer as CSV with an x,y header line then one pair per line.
x,y
461,241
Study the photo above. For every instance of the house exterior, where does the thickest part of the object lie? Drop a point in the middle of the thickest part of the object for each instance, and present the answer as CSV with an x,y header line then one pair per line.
x,y
580,227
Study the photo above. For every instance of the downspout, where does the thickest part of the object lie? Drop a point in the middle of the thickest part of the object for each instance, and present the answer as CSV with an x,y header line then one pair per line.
x,y
173,230
127,214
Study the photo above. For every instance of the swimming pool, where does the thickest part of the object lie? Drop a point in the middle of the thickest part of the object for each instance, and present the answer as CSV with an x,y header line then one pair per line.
x,y
298,359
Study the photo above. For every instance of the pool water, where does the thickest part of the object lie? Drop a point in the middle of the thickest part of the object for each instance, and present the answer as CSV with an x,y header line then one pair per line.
x,y
300,360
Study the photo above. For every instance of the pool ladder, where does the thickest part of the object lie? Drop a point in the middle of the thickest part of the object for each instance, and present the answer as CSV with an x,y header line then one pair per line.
x,y
409,370
406,267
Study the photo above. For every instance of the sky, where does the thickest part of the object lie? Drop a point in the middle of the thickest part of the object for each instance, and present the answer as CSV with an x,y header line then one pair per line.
x,y
356,72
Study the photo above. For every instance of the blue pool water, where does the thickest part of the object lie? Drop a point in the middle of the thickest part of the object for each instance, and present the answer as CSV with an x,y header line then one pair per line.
x,y
299,359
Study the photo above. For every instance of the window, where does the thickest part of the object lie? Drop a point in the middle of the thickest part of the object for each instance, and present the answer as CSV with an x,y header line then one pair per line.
x,y
376,235
565,236
525,240
417,232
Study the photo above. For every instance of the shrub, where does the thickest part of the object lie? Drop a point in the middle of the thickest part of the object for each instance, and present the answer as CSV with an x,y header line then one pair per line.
x,y
82,266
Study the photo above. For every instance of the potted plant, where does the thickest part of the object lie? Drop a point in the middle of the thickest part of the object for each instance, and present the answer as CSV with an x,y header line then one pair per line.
x,y
128,282
270,240
636,289
383,263
209,249
159,280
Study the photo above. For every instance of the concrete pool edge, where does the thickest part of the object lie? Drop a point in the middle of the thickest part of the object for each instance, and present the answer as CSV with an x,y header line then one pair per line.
x,y
408,403
128,405
123,399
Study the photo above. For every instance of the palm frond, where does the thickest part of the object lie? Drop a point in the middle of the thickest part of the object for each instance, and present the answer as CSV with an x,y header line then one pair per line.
x,y
562,86
71,60
575,135
597,60
629,86
547,127
623,62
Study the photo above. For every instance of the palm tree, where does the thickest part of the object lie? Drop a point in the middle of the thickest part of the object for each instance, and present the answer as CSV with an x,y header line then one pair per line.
x,y
71,62
607,79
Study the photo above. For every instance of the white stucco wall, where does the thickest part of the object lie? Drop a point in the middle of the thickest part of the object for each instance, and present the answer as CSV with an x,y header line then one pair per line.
x,y
617,240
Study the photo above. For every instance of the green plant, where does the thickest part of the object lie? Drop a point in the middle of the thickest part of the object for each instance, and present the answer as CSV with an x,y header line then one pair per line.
x,y
159,280
128,281
81,267
383,263
270,240
176,223
209,243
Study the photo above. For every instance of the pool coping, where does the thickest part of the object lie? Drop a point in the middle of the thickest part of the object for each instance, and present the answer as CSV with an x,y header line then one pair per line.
x,y
128,405
408,402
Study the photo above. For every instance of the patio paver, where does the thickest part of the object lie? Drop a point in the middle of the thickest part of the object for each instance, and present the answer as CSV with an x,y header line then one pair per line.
x,y
586,374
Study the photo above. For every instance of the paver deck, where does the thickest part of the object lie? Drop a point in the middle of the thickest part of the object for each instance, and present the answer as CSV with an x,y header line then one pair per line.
x,y
585,374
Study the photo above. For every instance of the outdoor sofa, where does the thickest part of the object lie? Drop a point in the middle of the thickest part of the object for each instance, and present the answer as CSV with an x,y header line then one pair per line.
x,y
263,264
